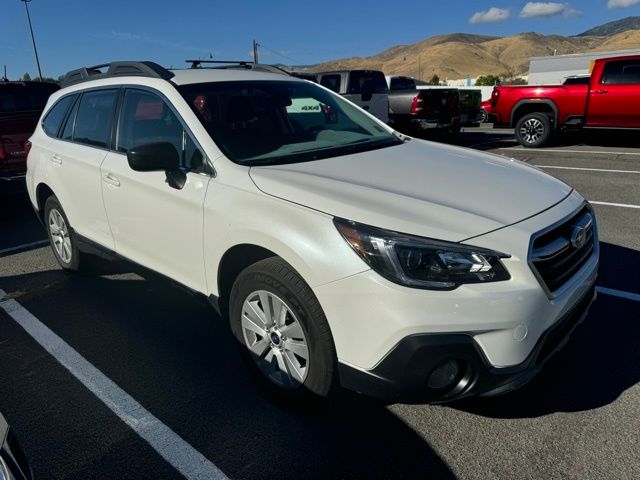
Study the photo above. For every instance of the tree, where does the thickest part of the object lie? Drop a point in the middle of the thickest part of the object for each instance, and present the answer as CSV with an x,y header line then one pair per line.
x,y
488,81
26,77
435,80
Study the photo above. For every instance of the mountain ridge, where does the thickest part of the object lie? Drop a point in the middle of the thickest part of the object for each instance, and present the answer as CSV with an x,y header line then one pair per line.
x,y
462,55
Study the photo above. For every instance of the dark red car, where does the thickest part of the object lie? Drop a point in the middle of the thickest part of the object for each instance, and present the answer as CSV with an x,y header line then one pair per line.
x,y
21,104
611,100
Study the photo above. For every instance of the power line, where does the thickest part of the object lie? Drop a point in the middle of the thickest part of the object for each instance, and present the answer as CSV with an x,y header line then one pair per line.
x,y
261,45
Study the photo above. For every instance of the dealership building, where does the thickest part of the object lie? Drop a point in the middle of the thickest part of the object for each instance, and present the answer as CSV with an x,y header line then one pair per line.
x,y
553,70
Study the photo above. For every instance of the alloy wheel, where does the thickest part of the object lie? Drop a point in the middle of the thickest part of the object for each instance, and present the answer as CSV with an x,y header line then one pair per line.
x,y
60,236
532,131
275,338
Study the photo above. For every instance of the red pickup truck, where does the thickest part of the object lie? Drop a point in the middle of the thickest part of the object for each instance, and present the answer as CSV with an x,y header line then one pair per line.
x,y
21,104
610,100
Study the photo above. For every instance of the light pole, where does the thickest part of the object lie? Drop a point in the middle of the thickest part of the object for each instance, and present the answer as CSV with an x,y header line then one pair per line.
x,y
33,39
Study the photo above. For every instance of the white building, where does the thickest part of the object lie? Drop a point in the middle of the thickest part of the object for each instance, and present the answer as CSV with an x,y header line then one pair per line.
x,y
553,70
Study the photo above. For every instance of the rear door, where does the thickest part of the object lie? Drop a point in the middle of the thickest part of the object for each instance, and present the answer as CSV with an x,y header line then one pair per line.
x,y
368,89
614,99
75,159
154,224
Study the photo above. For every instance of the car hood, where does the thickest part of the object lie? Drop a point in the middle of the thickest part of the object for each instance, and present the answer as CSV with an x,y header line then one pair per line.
x,y
418,187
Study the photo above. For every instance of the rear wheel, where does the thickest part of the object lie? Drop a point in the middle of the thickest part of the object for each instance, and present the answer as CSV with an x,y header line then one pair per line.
x,y
61,236
282,331
533,130
484,116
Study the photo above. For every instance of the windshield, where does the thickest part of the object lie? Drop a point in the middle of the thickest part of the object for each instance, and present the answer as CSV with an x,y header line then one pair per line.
x,y
269,122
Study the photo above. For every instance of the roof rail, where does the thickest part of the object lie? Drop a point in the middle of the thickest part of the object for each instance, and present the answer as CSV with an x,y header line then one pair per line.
x,y
116,69
238,64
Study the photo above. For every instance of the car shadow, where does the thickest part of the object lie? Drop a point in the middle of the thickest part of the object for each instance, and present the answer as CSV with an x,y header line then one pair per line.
x,y
170,351
601,360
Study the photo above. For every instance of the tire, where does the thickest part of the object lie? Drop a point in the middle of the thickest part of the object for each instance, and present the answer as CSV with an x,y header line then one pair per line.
x,y
533,130
280,346
484,116
61,236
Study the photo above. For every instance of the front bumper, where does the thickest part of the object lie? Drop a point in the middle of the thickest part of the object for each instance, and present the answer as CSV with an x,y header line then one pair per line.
x,y
403,374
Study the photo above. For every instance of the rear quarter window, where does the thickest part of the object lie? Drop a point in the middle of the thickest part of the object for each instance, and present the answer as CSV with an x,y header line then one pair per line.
x,y
54,118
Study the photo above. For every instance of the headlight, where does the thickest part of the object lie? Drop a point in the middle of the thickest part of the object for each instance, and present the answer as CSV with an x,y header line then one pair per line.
x,y
421,262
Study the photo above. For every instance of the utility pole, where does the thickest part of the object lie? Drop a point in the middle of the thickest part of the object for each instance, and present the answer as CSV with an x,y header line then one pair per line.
x,y
255,51
33,39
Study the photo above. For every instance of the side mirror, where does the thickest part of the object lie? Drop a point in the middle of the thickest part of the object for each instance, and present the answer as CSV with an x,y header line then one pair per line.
x,y
158,157
154,157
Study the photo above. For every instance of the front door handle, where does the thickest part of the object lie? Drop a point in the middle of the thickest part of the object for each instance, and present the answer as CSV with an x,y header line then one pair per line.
x,y
601,92
57,159
111,180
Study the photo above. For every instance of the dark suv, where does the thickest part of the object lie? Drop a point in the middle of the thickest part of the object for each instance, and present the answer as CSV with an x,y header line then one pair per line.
x,y
21,104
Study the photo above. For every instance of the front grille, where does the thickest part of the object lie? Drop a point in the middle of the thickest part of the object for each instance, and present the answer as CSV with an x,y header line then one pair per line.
x,y
558,254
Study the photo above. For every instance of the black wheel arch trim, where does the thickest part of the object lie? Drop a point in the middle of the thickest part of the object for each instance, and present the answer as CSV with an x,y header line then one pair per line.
x,y
531,101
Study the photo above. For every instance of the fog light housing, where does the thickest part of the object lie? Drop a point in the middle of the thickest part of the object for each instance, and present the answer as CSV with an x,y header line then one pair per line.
x,y
445,377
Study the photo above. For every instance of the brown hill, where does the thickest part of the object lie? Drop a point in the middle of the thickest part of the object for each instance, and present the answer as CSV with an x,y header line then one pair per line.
x,y
460,55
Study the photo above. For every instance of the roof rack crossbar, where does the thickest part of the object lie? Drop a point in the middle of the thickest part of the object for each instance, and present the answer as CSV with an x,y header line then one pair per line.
x,y
198,63
116,69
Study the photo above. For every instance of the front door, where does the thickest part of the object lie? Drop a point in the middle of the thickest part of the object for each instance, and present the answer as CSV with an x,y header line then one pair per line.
x,y
154,224
614,100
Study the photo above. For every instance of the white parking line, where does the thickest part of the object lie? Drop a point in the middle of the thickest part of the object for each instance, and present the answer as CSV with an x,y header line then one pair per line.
x,y
619,293
608,204
24,246
557,167
184,458
550,150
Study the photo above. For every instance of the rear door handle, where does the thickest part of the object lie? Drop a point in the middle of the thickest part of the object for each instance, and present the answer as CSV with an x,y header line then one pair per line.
x,y
601,92
57,159
111,180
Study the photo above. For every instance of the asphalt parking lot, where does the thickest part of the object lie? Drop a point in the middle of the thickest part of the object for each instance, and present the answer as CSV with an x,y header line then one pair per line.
x,y
182,392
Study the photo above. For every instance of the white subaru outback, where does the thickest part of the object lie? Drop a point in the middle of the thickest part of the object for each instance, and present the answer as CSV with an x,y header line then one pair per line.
x,y
343,253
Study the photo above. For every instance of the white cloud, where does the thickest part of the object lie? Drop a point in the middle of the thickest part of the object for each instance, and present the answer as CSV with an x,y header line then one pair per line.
x,y
549,9
492,15
622,3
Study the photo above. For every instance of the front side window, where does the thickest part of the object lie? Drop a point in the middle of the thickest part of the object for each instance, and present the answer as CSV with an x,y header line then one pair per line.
x,y
625,72
269,122
93,119
54,118
146,118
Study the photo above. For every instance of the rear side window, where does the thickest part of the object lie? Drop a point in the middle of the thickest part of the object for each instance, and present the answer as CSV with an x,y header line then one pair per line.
x,y
362,81
332,82
54,118
625,72
93,120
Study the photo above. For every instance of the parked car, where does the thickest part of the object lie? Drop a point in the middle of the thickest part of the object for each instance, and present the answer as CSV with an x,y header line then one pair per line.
x,y
610,100
342,253
412,111
485,112
21,104
365,88
13,462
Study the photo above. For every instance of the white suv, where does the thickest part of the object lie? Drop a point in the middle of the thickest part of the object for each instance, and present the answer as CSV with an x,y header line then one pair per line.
x,y
342,253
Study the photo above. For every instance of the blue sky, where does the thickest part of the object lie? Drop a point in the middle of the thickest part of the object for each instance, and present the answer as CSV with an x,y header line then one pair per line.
x,y
72,33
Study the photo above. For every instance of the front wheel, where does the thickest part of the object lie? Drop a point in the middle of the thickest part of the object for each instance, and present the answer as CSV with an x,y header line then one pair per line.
x,y
282,331
533,130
